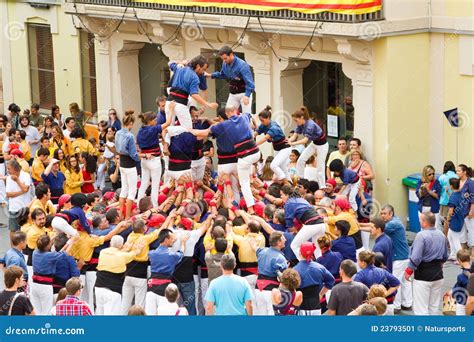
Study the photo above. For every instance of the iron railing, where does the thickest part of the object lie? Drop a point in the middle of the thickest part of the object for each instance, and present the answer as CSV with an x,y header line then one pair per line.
x,y
278,14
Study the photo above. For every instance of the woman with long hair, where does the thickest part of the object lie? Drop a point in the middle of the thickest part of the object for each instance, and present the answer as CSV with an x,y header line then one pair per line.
x,y
150,152
59,141
80,117
73,176
126,148
114,121
358,164
315,136
267,172
88,173
274,133
57,116
48,126
428,191
62,158
299,211
449,171
465,174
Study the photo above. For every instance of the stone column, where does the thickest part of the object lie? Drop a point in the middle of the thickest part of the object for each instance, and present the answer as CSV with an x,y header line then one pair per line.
x,y
103,78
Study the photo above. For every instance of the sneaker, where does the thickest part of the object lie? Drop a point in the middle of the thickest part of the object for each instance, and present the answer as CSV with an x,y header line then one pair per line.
x,y
3,225
404,308
397,311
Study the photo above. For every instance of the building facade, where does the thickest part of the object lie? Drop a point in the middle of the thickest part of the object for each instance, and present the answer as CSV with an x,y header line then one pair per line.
x,y
385,77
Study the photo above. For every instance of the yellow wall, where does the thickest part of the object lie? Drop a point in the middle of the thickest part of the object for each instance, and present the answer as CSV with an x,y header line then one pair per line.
x,y
67,59
458,8
401,97
458,92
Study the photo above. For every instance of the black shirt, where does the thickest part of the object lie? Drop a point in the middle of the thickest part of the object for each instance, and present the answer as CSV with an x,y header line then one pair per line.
x,y
21,307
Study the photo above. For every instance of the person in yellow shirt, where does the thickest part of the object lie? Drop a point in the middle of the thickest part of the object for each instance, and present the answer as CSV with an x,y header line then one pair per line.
x,y
46,143
59,141
25,146
37,168
342,211
43,199
110,275
73,176
80,144
135,284
60,155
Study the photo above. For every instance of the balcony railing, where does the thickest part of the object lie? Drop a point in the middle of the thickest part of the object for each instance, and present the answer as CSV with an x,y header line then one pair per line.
x,y
279,14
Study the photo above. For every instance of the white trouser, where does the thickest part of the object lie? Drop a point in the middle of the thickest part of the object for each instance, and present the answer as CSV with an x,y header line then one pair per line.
x,y
166,177
311,149
244,169
252,280
198,167
235,100
3,191
61,224
178,174
454,239
42,297
263,303
90,278
231,170
280,162
427,297
133,288
108,302
129,178
153,302
312,231
404,294
181,112
365,240
351,190
468,231
460,310
309,312
85,290
151,169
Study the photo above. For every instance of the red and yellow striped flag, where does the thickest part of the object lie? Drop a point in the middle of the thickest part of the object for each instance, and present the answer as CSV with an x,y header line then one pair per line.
x,y
305,6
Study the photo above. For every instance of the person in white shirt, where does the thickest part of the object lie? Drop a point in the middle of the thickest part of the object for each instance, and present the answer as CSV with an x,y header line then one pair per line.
x,y
171,308
310,171
18,193
70,124
32,134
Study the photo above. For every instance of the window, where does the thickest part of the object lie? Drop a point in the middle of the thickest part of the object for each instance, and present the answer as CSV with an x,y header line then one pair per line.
x,y
89,84
40,43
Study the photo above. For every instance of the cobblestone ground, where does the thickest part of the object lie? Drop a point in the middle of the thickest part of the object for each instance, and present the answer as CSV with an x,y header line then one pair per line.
x,y
450,269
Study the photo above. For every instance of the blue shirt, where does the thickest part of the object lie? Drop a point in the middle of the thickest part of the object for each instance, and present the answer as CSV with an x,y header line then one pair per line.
x,y
148,137
236,129
164,261
312,273
467,192
160,117
331,260
182,145
460,287
102,232
66,267
295,208
44,263
224,145
116,124
229,294
429,244
15,257
76,213
395,230
384,245
373,275
270,261
310,130
346,246
444,183
185,79
237,70
287,251
54,182
457,219
434,202
125,144
348,176
273,130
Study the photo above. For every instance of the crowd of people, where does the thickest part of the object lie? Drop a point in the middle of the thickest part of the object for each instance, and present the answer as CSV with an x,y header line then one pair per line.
x,y
145,224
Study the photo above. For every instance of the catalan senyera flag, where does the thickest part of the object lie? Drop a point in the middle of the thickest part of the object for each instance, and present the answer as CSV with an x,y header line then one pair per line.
x,y
305,6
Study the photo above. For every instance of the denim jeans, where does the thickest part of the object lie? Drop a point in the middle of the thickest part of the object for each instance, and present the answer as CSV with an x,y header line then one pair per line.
x,y
188,296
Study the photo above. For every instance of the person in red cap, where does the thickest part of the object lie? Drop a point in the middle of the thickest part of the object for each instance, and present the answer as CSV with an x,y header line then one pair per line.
x,y
64,202
316,280
330,188
342,211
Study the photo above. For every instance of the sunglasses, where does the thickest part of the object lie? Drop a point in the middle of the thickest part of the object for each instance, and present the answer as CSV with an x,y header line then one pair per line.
x,y
113,114
430,174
